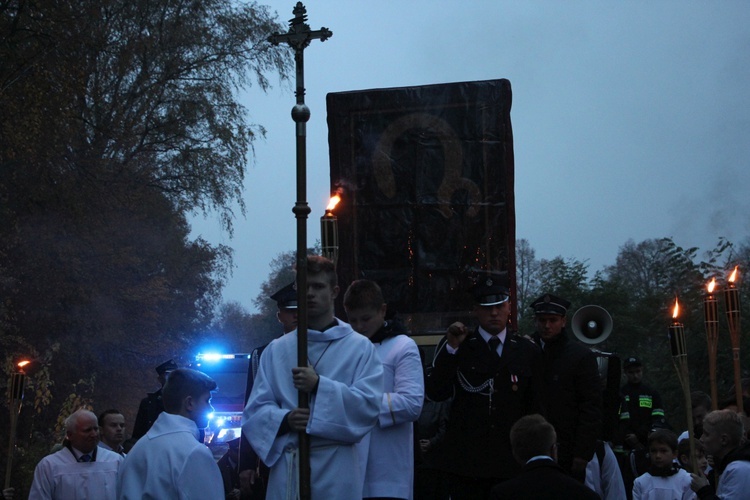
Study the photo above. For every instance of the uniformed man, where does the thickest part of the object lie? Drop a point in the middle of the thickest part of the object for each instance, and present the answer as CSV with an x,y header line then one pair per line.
x,y
573,397
151,406
496,377
641,412
253,473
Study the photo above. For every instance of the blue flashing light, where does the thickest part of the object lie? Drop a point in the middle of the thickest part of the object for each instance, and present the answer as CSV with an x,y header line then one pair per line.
x,y
213,357
209,356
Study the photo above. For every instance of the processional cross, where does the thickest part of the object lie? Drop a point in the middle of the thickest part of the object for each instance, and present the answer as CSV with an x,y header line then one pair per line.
x,y
299,37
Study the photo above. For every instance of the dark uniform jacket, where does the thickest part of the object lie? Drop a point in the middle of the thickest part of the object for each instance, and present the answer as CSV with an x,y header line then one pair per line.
x,y
490,396
573,397
148,411
229,474
542,479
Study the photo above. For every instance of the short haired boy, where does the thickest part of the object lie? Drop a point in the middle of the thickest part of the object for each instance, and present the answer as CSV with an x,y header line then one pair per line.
x,y
387,452
169,461
683,456
664,479
344,381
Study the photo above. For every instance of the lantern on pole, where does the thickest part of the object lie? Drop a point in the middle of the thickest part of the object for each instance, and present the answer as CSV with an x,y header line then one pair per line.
x,y
16,387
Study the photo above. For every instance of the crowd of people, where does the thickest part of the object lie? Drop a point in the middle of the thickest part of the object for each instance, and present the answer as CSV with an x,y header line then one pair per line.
x,y
494,415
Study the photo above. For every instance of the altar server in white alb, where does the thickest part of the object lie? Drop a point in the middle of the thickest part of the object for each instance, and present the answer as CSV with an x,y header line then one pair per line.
x,y
387,453
169,461
344,379
80,470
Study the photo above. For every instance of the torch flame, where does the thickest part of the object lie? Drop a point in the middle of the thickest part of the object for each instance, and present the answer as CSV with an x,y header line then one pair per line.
x,y
23,363
733,276
711,285
335,199
676,310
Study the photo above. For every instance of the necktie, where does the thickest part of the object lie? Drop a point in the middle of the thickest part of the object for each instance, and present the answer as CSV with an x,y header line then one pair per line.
x,y
494,342
85,458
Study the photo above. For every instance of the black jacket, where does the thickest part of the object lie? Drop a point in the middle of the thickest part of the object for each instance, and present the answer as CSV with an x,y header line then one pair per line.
x,y
542,479
742,452
477,437
148,411
573,397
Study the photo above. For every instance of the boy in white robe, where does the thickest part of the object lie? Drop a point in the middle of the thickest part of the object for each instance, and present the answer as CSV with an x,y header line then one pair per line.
x,y
169,461
664,481
344,380
387,453
79,470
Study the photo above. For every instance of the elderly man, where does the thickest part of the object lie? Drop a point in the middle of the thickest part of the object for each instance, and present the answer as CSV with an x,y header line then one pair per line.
x,y
170,461
495,378
112,429
80,470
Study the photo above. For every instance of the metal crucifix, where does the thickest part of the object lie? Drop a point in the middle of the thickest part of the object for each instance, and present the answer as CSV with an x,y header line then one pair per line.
x,y
299,37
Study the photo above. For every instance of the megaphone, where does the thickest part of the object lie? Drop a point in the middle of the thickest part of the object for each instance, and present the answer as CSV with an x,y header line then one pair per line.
x,y
591,324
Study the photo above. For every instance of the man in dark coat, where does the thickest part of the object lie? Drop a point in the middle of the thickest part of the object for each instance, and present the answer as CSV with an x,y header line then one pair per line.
x,y
229,467
533,440
253,472
573,396
496,378
151,406
641,411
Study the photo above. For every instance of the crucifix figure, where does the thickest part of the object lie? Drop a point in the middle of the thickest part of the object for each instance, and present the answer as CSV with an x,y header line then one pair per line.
x,y
299,37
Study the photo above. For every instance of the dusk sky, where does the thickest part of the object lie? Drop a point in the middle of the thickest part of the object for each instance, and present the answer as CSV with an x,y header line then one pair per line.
x,y
631,119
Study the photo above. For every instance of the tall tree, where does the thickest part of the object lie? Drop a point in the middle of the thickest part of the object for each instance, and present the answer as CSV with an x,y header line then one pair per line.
x,y
118,119
143,90
527,275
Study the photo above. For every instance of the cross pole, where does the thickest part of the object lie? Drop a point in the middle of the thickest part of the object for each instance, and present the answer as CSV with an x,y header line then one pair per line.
x,y
299,37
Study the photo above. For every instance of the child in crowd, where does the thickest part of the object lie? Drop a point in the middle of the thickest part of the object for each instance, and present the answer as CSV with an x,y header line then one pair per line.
x,y
664,481
683,456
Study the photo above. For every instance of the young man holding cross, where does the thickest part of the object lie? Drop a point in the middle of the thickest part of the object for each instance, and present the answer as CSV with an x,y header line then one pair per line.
x,y
344,380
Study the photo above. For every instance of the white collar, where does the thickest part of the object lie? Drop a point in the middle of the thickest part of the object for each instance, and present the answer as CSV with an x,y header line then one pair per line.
x,y
486,336
539,457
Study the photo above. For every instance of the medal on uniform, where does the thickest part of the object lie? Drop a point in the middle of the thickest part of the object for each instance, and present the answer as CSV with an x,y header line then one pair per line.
x,y
514,381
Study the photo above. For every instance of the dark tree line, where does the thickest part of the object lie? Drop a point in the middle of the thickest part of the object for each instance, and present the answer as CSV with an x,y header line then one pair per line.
x,y
639,291
117,120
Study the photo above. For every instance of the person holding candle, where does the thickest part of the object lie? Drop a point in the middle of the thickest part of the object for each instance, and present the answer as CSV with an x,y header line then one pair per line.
x,y
723,439
573,396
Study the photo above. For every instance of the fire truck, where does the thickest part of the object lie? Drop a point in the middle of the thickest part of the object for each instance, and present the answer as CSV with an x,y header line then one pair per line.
x,y
230,373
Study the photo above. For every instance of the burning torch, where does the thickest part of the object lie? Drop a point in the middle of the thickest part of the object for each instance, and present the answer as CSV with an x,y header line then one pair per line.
x,y
329,231
711,320
679,358
732,304
15,396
